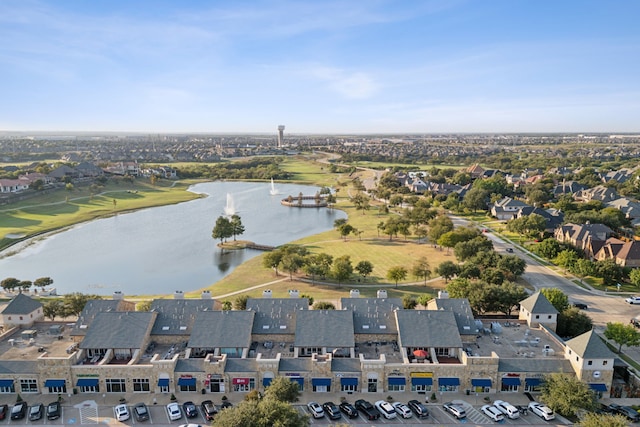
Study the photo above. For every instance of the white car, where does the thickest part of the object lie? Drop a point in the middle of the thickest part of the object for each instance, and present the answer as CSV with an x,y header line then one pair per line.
x,y
493,413
402,410
633,300
386,409
542,411
315,409
455,410
173,411
121,412
507,409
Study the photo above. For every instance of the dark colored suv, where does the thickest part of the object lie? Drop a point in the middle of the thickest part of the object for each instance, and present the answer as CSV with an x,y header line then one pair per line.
x,y
627,411
331,410
190,409
53,410
420,409
349,410
208,409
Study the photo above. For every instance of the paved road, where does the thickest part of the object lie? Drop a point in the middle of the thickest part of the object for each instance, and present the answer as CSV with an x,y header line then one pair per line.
x,y
603,307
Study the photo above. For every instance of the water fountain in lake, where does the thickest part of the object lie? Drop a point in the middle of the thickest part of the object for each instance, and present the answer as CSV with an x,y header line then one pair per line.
x,y
230,208
274,191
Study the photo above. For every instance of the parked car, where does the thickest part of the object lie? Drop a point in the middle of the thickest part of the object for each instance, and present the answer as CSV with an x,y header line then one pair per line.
x,y
36,412
332,411
627,411
173,411
402,410
507,409
53,410
190,425
633,300
121,412
349,410
581,305
19,410
4,410
208,409
190,410
635,322
542,411
510,250
141,412
493,413
315,409
418,408
386,409
455,410
367,409
226,404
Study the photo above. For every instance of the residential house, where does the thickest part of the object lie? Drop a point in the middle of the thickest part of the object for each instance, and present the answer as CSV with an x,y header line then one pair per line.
x,y
587,237
13,185
567,187
507,208
553,218
625,254
630,208
599,193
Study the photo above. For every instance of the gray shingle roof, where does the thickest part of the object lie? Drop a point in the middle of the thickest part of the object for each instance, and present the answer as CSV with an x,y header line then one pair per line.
x,y
345,365
274,313
324,328
535,365
176,316
373,315
461,310
124,329
18,366
22,304
428,328
537,303
189,365
241,365
590,346
217,329
302,364
91,309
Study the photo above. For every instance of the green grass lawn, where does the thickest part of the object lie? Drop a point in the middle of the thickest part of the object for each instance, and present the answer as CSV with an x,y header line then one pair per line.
x,y
64,208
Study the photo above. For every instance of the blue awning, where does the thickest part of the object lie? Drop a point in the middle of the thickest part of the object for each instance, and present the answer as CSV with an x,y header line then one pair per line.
x,y
397,380
163,382
186,382
349,381
449,381
598,387
480,382
321,382
266,382
532,382
6,383
299,380
54,383
87,382
421,381
511,381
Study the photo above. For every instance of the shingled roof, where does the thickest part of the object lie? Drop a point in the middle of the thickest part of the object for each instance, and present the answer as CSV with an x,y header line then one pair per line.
x,y
538,303
123,329
22,304
590,346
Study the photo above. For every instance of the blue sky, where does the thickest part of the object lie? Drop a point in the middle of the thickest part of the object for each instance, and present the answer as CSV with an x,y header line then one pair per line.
x,y
368,66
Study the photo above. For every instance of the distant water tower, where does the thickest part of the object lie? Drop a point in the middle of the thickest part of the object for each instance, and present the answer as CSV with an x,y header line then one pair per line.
x,y
280,135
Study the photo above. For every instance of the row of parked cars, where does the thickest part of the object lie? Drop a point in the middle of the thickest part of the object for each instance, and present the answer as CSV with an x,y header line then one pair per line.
x,y
497,412
174,412
36,412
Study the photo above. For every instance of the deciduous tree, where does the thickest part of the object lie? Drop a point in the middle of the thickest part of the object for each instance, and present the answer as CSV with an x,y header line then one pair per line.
x,y
566,394
622,334
364,268
557,298
396,274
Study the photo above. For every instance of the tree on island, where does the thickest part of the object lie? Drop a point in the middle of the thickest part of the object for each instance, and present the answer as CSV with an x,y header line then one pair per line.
x,y
237,228
223,229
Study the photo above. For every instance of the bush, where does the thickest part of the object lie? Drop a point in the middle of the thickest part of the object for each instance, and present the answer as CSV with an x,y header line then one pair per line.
x,y
173,397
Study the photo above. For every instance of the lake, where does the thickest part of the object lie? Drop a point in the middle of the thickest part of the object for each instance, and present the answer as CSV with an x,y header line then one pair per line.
x,y
164,249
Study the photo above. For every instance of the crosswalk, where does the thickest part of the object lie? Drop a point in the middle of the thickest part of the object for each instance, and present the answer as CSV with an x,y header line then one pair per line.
x,y
88,412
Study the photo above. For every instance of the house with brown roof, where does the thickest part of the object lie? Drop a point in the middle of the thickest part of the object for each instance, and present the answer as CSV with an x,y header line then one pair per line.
x,y
587,237
625,254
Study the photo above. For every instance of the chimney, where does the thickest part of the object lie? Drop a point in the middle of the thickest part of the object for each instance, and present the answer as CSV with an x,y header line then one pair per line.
x,y
118,295
205,295
266,293
354,293
294,293
178,295
381,293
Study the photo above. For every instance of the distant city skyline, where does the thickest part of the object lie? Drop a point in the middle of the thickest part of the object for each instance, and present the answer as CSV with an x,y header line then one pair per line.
x,y
330,67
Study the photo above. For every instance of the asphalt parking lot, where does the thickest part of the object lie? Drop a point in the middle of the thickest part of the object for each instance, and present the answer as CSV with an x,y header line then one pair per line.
x,y
89,412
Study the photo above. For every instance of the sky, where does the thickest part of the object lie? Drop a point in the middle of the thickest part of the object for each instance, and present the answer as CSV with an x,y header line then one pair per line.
x,y
325,66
